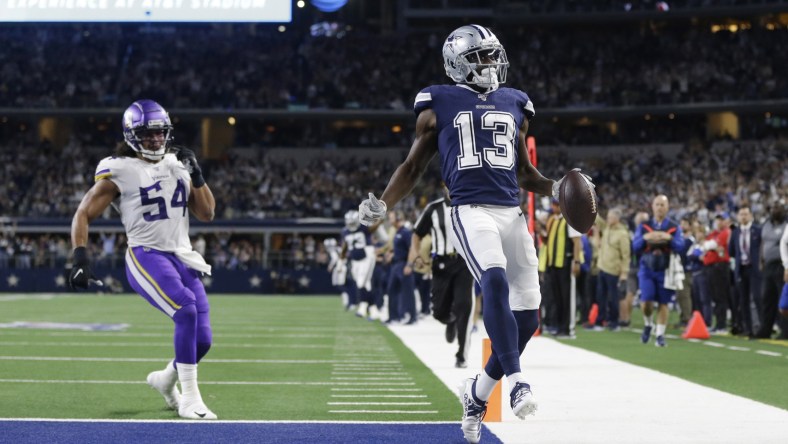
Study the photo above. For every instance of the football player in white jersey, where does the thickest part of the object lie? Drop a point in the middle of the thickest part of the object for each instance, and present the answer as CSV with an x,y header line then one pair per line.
x,y
478,129
153,189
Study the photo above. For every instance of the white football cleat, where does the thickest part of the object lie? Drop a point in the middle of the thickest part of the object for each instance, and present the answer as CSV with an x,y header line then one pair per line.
x,y
157,380
522,400
196,410
472,412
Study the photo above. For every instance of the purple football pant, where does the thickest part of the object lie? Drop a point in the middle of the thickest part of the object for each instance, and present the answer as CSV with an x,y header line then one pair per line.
x,y
176,290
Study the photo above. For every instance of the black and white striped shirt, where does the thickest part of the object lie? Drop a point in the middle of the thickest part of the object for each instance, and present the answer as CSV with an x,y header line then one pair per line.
x,y
436,220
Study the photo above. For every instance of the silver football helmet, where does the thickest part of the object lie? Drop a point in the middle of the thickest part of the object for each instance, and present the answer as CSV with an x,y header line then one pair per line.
x,y
473,55
352,221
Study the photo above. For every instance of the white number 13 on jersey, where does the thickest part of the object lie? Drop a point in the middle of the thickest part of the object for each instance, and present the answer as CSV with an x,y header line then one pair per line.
x,y
502,125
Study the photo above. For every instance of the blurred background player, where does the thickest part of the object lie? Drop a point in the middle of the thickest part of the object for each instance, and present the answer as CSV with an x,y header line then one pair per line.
x,y
489,229
655,240
338,267
153,191
357,246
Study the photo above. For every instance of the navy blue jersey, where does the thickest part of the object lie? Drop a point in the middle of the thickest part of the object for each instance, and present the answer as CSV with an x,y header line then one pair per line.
x,y
478,141
356,241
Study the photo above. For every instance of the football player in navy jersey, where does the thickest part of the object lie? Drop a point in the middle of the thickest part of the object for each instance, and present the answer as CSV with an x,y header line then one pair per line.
x,y
357,245
478,128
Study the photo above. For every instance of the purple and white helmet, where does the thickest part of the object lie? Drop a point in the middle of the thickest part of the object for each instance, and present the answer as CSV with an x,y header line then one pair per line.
x,y
146,115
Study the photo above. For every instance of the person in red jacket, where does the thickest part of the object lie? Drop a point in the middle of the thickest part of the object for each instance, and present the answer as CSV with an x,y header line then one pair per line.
x,y
718,270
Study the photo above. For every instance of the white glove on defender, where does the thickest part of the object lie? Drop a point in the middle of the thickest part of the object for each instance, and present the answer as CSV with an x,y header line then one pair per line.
x,y
371,210
557,184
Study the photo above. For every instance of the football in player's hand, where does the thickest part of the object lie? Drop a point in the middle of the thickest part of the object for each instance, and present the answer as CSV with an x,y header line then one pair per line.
x,y
578,201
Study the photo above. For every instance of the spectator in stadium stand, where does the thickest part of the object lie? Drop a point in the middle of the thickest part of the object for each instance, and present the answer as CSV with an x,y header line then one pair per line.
x,y
655,240
745,248
701,299
625,309
718,279
773,272
614,258
684,296
783,303
589,272
562,259
401,289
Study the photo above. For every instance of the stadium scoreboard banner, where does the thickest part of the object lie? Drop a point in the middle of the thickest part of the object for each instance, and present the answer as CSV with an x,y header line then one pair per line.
x,y
279,11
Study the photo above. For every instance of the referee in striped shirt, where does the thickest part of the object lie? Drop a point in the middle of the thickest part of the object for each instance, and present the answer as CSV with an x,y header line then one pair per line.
x,y
452,283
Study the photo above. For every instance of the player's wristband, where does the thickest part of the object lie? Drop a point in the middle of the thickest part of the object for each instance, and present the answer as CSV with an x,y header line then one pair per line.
x,y
197,179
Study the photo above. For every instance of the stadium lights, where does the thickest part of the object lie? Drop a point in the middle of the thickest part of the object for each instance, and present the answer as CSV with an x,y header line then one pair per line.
x,y
671,116
300,3
231,120
281,28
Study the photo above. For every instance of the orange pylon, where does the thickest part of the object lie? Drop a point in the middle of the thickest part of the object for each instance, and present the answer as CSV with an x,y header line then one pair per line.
x,y
696,329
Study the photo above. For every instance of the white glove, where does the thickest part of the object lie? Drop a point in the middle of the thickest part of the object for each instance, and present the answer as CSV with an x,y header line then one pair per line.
x,y
557,184
371,210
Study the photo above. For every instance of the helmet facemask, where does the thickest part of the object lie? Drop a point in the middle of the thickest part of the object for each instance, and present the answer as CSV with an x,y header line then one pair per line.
x,y
486,67
141,135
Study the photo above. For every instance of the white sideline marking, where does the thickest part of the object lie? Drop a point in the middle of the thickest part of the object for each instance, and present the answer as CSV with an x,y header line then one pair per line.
x,y
369,373
714,344
378,396
215,361
768,353
569,410
80,381
378,403
735,348
152,344
407,412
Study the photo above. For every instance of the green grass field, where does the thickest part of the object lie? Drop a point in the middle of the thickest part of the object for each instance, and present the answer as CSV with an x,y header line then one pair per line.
x,y
273,358
294,358
753,369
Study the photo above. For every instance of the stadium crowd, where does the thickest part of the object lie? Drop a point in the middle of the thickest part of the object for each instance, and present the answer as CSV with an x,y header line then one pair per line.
x,y
223,67
703,181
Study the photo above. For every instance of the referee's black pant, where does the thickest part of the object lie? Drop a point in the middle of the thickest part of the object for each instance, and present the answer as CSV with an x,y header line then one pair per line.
x,y
452,300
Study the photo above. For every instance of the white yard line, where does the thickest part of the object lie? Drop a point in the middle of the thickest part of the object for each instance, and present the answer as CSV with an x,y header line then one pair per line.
x,y
585,397
387,412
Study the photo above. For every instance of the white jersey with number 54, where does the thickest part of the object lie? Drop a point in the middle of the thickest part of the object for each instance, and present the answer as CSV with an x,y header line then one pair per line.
x,y
153,200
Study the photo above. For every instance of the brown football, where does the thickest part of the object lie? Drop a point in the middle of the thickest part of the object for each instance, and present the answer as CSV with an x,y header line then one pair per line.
x,y
578,201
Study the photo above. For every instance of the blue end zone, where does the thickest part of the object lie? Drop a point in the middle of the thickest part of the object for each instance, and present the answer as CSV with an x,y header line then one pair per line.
x,y
199,432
